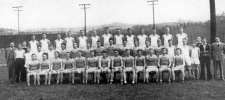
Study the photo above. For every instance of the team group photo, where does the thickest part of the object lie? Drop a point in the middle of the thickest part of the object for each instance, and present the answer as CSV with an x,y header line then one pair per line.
x,y
112,50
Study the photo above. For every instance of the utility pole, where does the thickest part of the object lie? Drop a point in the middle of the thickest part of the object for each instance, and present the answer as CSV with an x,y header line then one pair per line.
x,y
153,11
85,6
212,20
18,9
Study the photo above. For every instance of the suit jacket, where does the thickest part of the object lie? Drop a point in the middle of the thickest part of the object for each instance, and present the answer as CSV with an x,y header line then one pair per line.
x,y
205,51
10,54
218,51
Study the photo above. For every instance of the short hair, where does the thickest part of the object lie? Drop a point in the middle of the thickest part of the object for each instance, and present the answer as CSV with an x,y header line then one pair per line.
x,y
45,54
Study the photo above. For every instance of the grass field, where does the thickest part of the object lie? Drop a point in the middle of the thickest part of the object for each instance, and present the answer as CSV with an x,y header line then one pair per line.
x,y
190,90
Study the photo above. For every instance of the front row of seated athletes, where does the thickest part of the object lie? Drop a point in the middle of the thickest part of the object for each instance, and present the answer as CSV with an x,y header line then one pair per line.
x,y
149,64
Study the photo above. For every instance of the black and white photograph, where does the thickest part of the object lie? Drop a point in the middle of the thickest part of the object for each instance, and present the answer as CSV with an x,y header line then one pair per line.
x,y
112,49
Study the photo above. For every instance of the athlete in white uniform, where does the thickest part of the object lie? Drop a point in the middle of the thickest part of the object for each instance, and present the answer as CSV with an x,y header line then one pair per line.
x,y
142,39
106,38
119,39
166,37
186,52
44,43
195,53
94,40
154,38
58,43
39,53
171,49
82,42
180,37
27,56
69,40
32,68
33,44
178,64
51,53
130,39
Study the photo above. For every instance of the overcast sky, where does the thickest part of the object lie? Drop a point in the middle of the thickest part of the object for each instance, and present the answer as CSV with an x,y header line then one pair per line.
x,y
67,13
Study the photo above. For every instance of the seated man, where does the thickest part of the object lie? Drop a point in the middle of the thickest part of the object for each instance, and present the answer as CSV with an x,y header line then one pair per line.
x,y
117,64
80,64
178,64
151,65
128,62
164,64
139,64
68,68
56,68
32,68
105,65
93,67
44,68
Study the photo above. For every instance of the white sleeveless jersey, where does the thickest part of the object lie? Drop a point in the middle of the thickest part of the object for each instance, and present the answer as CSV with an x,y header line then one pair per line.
x,y
94,41
142,39
171,51
51,55
180,38
58,43
130,41
106,39
119,40
186,51
27,57
154,39
83,42
44,45
166,38
69,43
33,45
195,52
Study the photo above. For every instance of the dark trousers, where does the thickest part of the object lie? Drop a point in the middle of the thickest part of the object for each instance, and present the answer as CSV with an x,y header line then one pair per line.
x,y
19,65
205,68
11,70
218,64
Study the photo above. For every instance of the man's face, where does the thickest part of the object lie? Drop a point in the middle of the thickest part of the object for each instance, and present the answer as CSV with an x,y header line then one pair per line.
x,y
111,42
217,39
33,37
154,31
204,41
39,48
12,44
51,47
92,53
33,57
44,57
164,51
104,54
44,36
56,54
59,36
75,45
181,30
199,39
19,46
98,44
178,52
63,46
151,51
167,30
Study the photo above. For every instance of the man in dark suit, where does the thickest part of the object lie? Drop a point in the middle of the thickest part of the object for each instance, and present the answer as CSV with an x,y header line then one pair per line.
x,y
205,57
218,56
10,60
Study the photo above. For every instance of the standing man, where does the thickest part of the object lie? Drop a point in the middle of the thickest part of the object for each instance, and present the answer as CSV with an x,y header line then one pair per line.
x,y
33,44
119,39
130,39
44,43
94,39
180,37
106,38
10,60
205,52
19,62
69,40
142,39
82,41
166,37
154,39
218,49
58,43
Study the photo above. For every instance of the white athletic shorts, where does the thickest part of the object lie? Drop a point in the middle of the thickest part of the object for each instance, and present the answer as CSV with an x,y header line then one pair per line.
x,y
116,69
80,70
105,70
140,68
152,69
43,72
188,61
164,68
92,70
178,68
128,69
195,61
